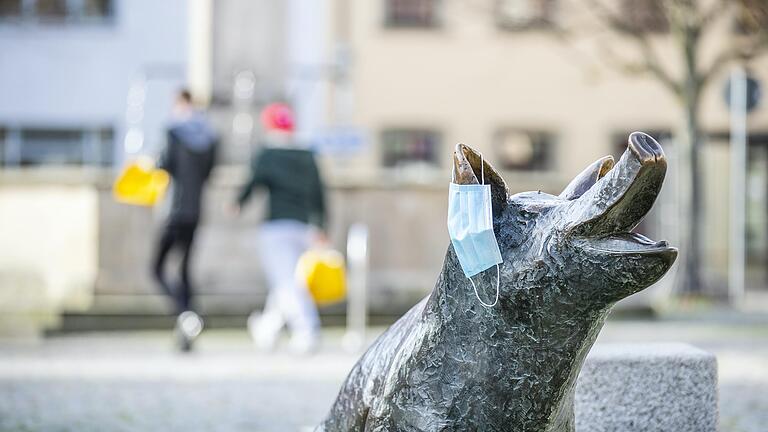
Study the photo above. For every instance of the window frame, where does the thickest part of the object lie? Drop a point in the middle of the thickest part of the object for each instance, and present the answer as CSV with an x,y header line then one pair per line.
x,y
94,143
435,23
548,136
544,21
436,133
74,15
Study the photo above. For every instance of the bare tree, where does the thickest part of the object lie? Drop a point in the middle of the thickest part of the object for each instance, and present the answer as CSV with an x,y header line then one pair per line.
x,y
687,22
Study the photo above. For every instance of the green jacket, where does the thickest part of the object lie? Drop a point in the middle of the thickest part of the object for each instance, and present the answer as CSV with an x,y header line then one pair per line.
x,y
294,184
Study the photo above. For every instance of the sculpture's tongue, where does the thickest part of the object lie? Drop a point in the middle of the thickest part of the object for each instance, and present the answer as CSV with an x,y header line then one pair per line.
x,y
620,200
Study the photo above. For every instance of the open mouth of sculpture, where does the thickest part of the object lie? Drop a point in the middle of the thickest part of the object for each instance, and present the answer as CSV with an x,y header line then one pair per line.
x,y
629,243
616,203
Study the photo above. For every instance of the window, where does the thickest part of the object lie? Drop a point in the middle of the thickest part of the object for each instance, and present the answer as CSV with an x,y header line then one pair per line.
x,y
10,8
525,150
524,14
56,146
409,146
411,13
51,146
2,146
51,10
97,8
56,11
645,15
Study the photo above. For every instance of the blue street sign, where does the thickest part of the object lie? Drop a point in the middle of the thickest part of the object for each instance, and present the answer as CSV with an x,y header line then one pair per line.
x,y
754,92
339,141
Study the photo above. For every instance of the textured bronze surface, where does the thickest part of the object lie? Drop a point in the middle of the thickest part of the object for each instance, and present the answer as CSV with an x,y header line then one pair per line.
x,y
450,364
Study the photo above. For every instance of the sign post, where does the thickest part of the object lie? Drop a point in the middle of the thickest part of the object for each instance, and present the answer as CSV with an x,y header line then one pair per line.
x,y
742,96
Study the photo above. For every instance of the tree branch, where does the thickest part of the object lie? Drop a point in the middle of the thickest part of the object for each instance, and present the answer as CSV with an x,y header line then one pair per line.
x,y
653,65
756,46
650,63
715,11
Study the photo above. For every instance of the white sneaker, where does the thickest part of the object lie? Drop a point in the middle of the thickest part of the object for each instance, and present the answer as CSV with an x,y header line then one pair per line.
x,y
304,343
189,325
264,330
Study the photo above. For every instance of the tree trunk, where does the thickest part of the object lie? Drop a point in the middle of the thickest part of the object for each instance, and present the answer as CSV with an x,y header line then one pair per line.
x,y
692,283
691,96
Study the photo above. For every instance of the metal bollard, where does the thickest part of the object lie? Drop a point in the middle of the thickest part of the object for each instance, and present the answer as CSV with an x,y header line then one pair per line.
x,y
357,278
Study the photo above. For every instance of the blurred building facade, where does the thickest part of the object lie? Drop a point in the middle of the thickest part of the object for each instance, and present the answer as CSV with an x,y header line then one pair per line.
x,y
69,70
530,83
384,90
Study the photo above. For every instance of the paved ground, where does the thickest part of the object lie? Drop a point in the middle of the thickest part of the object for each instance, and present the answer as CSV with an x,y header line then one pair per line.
x,y
134,382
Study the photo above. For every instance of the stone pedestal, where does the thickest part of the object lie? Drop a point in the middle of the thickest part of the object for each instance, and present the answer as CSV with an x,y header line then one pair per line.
x,y
661,387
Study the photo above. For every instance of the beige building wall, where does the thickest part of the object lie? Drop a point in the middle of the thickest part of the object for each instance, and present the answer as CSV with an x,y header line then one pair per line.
x,y
468,79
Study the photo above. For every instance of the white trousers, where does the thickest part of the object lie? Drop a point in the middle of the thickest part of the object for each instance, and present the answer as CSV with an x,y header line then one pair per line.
x,y
281,244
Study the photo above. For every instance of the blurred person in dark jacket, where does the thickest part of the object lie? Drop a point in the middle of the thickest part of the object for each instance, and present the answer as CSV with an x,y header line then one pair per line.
x,y
296,218
188,157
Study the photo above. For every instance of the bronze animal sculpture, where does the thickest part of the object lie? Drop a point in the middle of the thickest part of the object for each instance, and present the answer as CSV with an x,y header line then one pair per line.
x,y
451,364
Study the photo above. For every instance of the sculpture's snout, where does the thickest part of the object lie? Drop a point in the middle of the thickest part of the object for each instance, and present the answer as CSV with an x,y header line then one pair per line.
x,y
624,195
645,148
602,219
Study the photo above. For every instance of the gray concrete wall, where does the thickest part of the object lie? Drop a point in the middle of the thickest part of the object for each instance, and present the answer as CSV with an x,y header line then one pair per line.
x,y
408,241
249,35
408,238
48,252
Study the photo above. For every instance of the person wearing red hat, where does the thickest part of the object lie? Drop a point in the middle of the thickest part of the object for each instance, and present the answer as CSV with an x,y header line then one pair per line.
x,y
295,218
277,117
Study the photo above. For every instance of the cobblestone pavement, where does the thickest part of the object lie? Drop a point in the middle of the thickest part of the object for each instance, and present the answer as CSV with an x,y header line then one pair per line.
x,y
134,382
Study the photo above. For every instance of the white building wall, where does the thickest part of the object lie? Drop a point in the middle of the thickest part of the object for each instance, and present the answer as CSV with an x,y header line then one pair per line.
x,y
78,75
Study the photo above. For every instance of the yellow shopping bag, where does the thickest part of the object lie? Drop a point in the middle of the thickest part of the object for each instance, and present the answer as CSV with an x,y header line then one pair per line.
x,y
140,183
323,272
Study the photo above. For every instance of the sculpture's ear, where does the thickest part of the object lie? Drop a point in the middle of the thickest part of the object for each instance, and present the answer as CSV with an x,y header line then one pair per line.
x,y
467,170
582,182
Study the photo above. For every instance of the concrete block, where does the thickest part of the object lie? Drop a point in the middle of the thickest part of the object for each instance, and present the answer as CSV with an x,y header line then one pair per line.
x,y
664,387
25,307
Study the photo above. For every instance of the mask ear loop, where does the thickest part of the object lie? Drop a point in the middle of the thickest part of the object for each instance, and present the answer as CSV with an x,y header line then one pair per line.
x,y
482,170
488,305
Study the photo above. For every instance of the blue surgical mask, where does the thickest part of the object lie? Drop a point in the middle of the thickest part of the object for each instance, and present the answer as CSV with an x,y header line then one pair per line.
x,y
470,225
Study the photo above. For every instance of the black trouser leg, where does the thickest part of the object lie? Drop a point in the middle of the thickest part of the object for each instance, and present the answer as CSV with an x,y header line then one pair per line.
x,y
176,235
167,239
186,240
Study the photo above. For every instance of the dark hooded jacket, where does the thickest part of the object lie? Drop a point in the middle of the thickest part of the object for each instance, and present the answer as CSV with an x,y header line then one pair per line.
x,y
293,180
189,157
